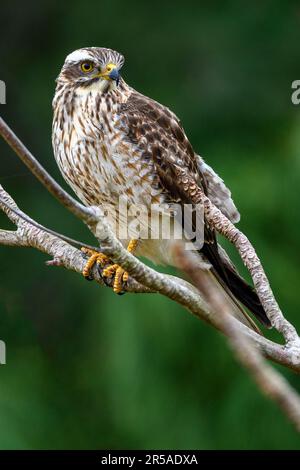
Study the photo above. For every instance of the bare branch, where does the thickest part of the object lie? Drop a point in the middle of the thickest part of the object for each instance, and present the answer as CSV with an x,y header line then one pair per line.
x,y
271,383
213,215
250,259
14,211
147,280
30,234
84,213
246,343
9,238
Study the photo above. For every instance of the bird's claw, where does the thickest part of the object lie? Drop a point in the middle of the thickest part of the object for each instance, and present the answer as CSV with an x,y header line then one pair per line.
x,y
112,274
94,257
120,277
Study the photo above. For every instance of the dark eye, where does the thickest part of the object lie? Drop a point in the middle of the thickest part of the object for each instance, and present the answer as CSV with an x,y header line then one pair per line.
x,y
87,67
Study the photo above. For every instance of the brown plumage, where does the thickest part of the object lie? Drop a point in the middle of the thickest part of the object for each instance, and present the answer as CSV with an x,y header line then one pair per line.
x,y
112,142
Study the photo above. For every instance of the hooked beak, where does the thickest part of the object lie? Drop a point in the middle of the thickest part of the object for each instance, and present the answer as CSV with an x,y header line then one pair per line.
x,y
111,73
115,75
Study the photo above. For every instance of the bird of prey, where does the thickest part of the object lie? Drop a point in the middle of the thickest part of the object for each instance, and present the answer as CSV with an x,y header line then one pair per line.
x,y
112,142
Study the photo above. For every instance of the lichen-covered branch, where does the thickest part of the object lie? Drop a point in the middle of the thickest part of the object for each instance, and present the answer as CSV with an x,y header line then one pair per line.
x,y
143,279
212,214
270,382
9,238
222,225
62,253
84,213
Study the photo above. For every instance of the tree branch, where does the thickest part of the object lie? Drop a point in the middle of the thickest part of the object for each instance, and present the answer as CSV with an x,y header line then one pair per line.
x,y
271,383
150,281
9,238
144,279
29,234
216,219
84,213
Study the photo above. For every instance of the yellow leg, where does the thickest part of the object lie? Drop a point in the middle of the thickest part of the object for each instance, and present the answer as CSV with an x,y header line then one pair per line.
x,y
120,275
94,257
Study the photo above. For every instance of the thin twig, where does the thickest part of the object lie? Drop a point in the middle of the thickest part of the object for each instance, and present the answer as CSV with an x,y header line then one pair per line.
x,y
17,212
82,212
270,382
147,279
216,219
213,216
29,234
144,279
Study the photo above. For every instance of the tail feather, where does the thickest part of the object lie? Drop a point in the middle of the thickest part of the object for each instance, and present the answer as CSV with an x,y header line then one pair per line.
x,y
234,284
236,308
247,296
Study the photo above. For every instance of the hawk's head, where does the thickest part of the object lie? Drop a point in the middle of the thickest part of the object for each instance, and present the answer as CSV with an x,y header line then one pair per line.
x,y
92,65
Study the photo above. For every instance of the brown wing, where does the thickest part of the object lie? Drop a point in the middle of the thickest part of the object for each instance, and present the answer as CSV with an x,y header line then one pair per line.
x,y
157,132
159,135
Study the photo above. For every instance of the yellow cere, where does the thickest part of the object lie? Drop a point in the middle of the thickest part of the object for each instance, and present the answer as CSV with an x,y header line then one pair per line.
x,y
110,67
106,71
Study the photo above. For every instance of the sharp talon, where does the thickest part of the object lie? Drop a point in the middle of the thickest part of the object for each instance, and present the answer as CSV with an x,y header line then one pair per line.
x,y
118,281
120,276
94,257
110,270
114,270
106,280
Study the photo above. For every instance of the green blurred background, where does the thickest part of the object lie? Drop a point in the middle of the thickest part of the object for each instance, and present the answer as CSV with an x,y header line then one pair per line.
x,y
87,369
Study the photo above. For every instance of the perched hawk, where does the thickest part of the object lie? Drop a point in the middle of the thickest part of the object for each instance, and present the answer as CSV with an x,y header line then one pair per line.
x,y
112,143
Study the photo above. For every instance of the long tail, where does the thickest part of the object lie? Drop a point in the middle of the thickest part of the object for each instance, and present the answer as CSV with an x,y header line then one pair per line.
x,y
234,285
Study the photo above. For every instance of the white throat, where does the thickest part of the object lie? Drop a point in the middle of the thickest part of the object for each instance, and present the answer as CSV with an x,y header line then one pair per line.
x,y
99,86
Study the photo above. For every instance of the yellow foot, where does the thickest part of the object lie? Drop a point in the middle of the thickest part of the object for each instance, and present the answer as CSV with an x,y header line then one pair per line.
x,y
94,257
120,275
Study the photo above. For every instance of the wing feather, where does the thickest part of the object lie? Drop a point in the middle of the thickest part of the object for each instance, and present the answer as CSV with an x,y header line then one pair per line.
x,y
218,192
159,136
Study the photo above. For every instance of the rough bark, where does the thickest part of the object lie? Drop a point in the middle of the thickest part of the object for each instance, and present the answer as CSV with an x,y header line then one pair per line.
x,y
247,344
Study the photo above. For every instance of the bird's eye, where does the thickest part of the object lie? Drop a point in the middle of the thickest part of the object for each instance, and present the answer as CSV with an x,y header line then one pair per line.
x,y
87,67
